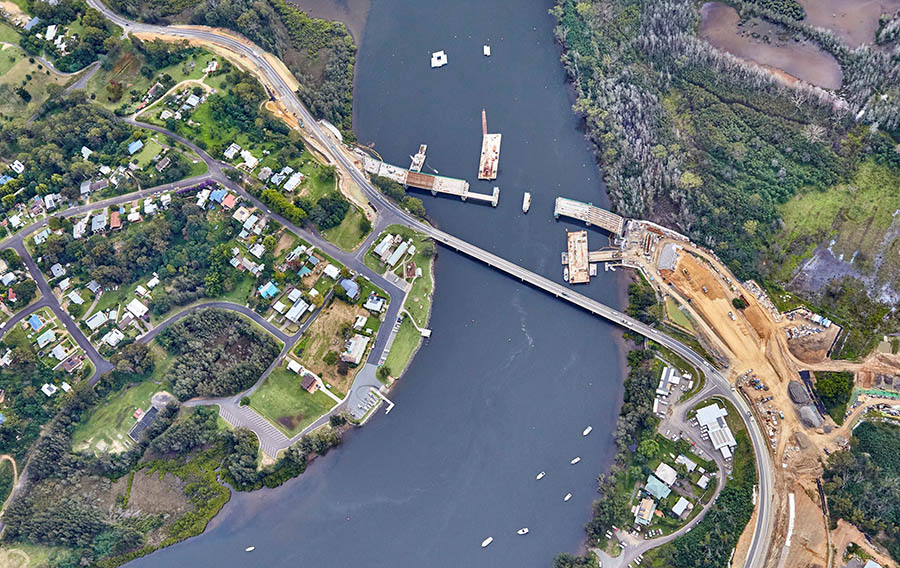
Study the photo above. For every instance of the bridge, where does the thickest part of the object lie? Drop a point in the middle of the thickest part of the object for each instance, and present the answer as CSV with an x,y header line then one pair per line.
x,y
390,212
589,214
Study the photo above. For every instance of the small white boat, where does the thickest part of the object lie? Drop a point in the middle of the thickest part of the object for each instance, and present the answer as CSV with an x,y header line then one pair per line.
x,y
487,541
486,50
566,274
250,549
541,475
523,530
438,59
526,202
575,460
567,497
587,431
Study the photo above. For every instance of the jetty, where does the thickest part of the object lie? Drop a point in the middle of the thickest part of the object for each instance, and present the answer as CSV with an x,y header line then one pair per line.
x,y
433,183
577,257
490,151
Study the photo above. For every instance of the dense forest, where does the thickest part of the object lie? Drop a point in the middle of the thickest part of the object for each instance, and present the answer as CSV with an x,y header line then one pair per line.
x,y
862,483
321,54
218,353
692,137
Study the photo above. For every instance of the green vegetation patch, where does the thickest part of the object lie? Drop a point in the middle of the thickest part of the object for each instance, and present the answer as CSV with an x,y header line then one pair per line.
x,y
835,388
405,343
286,404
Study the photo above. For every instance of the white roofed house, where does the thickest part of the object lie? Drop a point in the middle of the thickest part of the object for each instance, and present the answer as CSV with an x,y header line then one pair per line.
x,y
711,419
17,166
258,250
355,349
398,254
231,151
293,181
383,246
332,271
113,337
250,161
96,320
137,309
666,473
296,311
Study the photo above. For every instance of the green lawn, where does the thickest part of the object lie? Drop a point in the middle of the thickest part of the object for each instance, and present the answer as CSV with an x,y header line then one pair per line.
x,y
677,316
418,302
348,234
146,154
286,405
402,349
34,76
9,34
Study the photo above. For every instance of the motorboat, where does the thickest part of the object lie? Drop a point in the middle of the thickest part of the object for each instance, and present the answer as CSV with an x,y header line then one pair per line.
x,y
541,475
523,530
526,202
567,497
575,460
587,431
250,549
487,541
566,273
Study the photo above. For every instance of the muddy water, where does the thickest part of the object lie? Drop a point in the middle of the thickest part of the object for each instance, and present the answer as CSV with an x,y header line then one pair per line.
x,y
352,12
855,21
771,47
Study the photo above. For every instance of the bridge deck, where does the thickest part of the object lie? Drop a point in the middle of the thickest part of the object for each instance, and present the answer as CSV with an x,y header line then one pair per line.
x,y
589,214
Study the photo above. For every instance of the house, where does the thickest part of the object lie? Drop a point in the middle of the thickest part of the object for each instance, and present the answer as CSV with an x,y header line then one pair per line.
x,y
192,100
35,322
297,310
681,506
31,23
15,220
51,200
241,214
294,295
46,338
332,271
99,184
668,379
114,221
309,383
150,208
137,309
279,307
64,284
313,261
264,174
17,167
59,352
294,366
163,164
666,474
113,337
374,304
355,349
86,152
166,114
656,488
251,266
80,228
153,282
711,420
644,512
351,287
293,181
41,236
202,197
383,246
229,201
360,322
72,363
268,290
231,151
703,482
398,254
250,160
135,147
48,389
687,463
96,321
258,250
141,291
871,564
146,420
93,286
5,179
217,195
66,387
75,297
294,254
8,278
98,223
249,222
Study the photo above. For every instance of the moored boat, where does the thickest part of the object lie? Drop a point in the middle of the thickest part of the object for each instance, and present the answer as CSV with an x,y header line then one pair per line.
x,y
575,460
487,541
587,431
526,202
567,497
250,549
541,475
523,530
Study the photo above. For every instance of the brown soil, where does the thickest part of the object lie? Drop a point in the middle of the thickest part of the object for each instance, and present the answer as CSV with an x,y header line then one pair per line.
x,y
812,348
323,334
290,423
845,533
16,15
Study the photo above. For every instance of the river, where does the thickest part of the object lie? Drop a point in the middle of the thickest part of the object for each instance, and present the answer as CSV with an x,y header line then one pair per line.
x,y
511,376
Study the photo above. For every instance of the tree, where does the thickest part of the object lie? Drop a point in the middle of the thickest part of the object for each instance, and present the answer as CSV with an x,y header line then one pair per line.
x,y
428,249
330,358
648,448
739,303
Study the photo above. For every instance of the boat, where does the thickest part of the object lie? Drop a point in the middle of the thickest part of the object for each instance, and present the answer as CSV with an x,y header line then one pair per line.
x,y
567,497
250,549
541,475
587,431
566,273
575,460
487,541
486,50
526,202
523,530
438,59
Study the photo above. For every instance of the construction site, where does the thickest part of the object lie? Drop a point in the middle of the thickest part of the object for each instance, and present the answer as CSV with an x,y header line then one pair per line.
x,y
489,162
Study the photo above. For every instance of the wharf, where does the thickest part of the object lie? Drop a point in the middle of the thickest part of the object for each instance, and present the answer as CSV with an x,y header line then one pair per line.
x,y
489,162
589,214
578,257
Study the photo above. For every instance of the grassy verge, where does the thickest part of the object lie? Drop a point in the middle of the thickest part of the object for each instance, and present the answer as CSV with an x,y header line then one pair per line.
x,y
349,233
404,346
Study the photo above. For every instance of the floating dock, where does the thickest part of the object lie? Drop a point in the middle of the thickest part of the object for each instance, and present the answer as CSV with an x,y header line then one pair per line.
x,y
419,159
490,151
577,257
438,59
434,184
589,214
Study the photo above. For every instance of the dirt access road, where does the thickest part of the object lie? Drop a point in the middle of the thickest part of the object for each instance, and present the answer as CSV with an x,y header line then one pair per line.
x,y
755,338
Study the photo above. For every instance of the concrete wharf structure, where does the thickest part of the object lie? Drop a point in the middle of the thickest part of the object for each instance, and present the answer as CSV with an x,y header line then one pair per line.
x,y
434,184
577,244
489,162
589,214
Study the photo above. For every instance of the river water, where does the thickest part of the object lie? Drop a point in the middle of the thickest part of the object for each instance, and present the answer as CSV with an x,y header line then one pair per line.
x,y
511,376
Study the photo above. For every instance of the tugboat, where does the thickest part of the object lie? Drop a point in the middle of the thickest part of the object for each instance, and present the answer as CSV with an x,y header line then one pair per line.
x,y
526,202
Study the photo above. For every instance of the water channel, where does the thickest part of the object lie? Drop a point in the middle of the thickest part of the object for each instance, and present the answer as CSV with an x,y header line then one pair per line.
x,y
511,376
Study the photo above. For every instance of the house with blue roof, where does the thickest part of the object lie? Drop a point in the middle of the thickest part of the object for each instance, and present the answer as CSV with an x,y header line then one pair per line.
x,y
217,195
351,287
31,23
45,338
35,322
313,260
4,179
268,290
656,488
303,271
135,146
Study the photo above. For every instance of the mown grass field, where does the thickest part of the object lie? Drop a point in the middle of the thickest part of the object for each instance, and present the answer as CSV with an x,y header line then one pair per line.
x,y
405,344
348,234
16,70
283,402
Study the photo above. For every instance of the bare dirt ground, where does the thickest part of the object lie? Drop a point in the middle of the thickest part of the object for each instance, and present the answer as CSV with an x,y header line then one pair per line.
x,y
753,339
16,15
846,534
324,337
